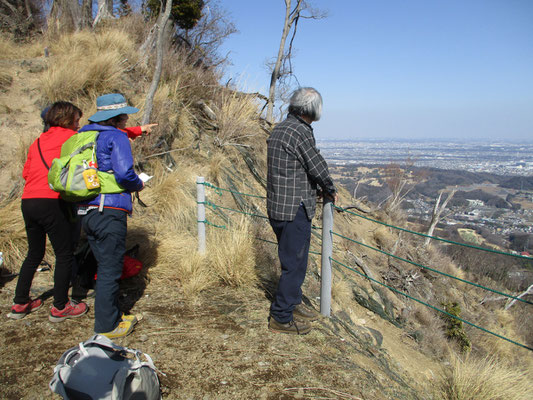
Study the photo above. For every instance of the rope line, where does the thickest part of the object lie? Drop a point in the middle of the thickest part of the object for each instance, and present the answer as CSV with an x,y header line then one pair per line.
x,y
218,191
205,221
433,307
270,241
431,269
434,237
215,206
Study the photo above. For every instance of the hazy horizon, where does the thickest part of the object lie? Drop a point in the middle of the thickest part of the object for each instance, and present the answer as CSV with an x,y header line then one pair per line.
x,y
400,69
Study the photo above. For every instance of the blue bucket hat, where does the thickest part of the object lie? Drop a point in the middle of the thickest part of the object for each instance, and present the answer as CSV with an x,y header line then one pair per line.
x,y
111,105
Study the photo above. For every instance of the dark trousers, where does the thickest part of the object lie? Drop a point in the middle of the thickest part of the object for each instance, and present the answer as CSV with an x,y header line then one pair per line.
x,y
293,250
46,217
106,233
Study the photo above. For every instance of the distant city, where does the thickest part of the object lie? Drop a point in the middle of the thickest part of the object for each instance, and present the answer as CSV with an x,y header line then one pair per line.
x,y
491,209
496,158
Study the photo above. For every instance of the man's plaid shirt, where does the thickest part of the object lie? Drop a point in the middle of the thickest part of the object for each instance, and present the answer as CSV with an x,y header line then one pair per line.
x,y
295,168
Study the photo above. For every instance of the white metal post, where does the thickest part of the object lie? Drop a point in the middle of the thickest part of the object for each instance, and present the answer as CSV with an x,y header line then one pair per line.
x,y
200,199
327,249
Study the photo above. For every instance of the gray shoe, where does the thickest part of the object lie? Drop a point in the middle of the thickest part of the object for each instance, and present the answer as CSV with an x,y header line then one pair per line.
x,y
292,327
303,313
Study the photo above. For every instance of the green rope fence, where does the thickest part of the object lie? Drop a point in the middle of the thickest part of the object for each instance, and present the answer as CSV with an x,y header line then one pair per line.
x,y
219,190
216,208
431,269
434,237
430,306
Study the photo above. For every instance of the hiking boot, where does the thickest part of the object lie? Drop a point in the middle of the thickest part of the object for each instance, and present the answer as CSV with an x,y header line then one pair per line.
x,y
292,327
19,311
71,310
303,313
124,328
130,317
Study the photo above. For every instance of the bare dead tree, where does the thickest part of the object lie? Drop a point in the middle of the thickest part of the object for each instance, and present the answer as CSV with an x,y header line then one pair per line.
x,y
205,38
528,291
105,11
86,13
65,15
399,184
294,10
436,215
160,48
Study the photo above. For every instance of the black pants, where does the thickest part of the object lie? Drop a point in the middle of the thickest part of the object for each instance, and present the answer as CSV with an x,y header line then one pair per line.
x,y
293,251
46,217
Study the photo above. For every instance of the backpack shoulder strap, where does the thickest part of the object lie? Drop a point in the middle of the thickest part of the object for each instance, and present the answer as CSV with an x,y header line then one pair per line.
x,y
41,153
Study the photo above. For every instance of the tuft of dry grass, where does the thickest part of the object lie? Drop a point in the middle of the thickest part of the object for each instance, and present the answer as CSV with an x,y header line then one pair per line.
x,y
486,378
179,262
87,63
11,50
341,292
444,263
12,236
237,119
172,199
5,81
215,168
503,323
384,238
231,254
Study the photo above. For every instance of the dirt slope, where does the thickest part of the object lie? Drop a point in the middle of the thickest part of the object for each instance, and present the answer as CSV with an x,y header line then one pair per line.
x,y
220,348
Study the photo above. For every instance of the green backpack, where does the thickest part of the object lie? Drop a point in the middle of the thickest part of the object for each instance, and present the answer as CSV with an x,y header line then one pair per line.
x,y
66,174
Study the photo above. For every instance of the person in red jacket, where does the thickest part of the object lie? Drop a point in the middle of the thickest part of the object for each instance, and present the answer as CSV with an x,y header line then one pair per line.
x,y
45,214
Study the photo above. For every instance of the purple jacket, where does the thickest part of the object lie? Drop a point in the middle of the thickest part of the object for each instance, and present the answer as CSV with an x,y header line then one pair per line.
x,y
113,153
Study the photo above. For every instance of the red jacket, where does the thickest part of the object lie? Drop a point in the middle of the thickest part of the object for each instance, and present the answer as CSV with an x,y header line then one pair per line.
x,y
36,174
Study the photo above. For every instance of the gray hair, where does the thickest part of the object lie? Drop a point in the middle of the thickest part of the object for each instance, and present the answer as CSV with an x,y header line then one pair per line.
x,y
306,101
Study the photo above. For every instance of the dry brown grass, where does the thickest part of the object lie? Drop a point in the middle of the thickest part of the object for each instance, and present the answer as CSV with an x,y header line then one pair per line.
x,y
341,292
237,119
215,168
172,199
179,263
486,378
10,50
5,81
12,236
88,64
231,254
502,323
384,238
442,262
430,332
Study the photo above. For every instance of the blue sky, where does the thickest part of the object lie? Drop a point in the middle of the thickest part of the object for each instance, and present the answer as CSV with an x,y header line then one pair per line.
x,y
400,69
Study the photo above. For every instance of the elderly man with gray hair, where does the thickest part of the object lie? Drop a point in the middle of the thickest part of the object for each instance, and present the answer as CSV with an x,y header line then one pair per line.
x,y
296,171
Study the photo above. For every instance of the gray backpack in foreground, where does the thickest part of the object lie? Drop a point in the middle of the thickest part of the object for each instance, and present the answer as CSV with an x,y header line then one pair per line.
x,y
100,369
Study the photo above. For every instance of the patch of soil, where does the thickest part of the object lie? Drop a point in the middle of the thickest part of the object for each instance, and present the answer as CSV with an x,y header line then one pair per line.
x,y
217,348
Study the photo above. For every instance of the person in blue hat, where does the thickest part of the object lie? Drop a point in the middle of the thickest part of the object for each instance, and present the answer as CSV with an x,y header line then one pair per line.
x,y
104,218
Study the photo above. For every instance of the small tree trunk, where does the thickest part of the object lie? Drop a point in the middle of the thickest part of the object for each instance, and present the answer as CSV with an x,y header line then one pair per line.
x,y
65,15
29,14
86,13
437,212
105,11
160,48
287,25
